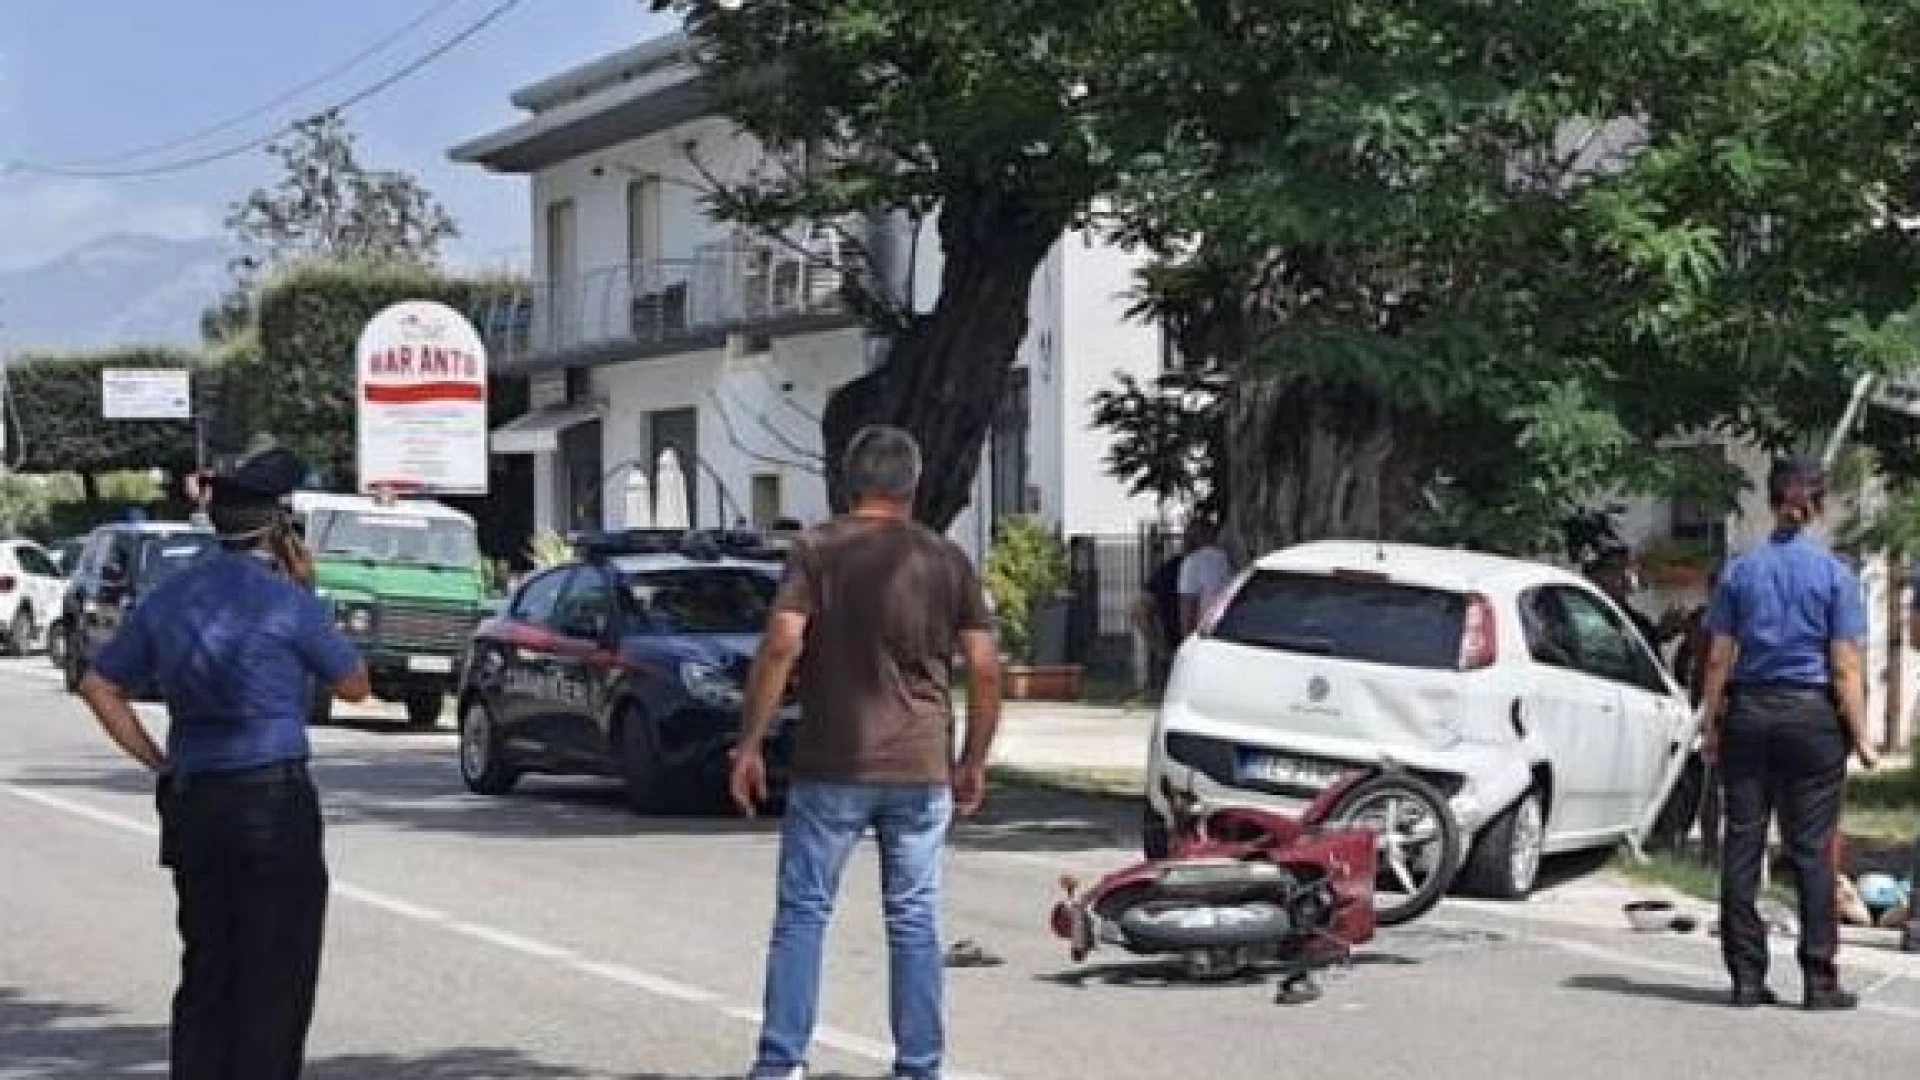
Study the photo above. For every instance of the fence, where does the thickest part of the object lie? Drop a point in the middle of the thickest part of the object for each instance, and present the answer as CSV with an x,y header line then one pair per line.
x,y
1108,572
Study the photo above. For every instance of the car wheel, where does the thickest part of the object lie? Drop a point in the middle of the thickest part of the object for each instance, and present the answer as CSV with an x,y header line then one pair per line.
x,y
1505,863
57,643
319,704
483,760
20,635
1156,840
424,708
75,666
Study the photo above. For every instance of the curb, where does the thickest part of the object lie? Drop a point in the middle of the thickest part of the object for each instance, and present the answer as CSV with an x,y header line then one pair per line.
x,y
1113,785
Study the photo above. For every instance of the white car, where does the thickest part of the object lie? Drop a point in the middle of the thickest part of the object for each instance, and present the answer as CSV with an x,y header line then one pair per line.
x,y
1517,689
31,588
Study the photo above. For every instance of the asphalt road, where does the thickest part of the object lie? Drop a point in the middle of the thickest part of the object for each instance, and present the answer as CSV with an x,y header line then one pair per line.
x,y
554,935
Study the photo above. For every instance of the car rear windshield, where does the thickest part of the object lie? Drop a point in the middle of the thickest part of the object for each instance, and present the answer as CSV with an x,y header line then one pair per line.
x,y
1348,618
704,600
168,555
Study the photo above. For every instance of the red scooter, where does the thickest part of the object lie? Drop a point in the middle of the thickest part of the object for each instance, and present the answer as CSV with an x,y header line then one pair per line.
x,y
1245,887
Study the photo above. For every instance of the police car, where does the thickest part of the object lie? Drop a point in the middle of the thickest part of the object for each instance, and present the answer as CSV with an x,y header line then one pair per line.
x,y
630,662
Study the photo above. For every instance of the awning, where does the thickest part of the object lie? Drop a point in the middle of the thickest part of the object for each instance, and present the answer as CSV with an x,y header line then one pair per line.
x,y
538,432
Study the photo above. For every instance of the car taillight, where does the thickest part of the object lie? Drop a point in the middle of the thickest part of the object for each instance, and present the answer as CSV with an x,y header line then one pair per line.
x,y
7,583
1477,640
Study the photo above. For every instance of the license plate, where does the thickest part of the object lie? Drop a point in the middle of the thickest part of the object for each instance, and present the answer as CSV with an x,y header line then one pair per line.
x,y
1289,771
434,665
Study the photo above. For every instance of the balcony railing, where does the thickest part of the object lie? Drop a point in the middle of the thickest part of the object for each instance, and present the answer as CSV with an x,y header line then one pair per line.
x,y
724,287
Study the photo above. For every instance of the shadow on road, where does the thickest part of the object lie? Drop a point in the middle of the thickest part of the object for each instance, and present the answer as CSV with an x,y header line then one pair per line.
x,y
1672,992
419,789
44,1040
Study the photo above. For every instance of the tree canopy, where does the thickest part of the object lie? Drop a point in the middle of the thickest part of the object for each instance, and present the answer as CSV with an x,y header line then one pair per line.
x,y
978,117
1460,266
327,206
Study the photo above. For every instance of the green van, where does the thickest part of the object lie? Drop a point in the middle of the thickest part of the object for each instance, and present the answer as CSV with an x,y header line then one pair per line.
x,y
406,583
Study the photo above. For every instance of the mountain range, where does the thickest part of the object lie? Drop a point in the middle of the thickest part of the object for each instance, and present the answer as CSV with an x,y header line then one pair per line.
x,y
118,290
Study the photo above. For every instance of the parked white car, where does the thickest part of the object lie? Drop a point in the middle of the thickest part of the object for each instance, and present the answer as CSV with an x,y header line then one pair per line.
x,y
1517,689
31,587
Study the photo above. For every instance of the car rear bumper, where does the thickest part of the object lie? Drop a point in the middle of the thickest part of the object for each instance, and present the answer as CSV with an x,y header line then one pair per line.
x,y
1478,781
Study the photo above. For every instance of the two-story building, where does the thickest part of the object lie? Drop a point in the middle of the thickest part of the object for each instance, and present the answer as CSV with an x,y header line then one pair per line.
x,y
652,325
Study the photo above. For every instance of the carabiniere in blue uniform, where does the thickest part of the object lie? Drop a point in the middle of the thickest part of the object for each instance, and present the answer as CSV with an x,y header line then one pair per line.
x,y
232,643
1785,703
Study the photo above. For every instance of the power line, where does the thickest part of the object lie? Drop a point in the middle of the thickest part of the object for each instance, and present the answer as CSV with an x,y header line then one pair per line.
x,y
327,76
358,97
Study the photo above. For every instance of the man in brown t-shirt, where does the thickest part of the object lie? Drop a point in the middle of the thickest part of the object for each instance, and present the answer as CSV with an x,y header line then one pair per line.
x,y
873,610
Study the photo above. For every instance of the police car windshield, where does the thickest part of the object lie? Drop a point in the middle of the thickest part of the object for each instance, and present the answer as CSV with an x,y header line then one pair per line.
x,y
699,600
377,537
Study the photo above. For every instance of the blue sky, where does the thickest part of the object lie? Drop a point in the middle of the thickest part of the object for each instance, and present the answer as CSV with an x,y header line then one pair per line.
x,y
90,78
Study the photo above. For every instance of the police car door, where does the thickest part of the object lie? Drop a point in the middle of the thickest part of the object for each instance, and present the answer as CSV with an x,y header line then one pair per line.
x,y
521,660
584,656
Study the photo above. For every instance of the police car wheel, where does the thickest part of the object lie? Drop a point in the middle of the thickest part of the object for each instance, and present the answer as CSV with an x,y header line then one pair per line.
x,y
649,783
483,761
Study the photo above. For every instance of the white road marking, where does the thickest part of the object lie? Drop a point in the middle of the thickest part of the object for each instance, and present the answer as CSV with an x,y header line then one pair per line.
x,y
646,982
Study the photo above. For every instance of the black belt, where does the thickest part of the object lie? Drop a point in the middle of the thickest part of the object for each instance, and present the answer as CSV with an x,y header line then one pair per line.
x,y
1784,689
283,772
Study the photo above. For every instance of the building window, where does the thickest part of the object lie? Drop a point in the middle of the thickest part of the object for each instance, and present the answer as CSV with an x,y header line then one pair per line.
x,y
580,472
1696,522
640,219
562,293
579,386
766,500
1011,427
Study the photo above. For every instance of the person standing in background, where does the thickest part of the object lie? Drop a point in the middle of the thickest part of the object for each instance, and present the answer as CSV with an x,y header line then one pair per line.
x,y
871,613
1205,573
1785,703
1157,615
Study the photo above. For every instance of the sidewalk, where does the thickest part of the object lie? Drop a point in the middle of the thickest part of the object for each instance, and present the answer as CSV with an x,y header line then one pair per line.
x,y
1073,741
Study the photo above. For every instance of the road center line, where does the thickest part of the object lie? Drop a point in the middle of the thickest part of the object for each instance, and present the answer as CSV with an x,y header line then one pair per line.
x,y
646,982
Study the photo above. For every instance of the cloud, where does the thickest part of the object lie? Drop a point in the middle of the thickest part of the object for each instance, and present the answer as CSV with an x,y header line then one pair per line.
x,y
41,218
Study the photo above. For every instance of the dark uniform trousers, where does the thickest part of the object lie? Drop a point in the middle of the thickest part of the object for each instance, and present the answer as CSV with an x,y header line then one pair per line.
x,y
1783,750
250,873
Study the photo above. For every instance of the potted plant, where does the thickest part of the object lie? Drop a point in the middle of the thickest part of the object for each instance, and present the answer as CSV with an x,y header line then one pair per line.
x,y
1026,578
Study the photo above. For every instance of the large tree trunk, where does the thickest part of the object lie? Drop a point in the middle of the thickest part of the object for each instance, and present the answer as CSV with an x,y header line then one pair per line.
x,y
1307,463
943,377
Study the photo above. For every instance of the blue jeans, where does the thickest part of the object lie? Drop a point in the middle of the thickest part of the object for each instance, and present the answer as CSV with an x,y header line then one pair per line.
x,y
817,835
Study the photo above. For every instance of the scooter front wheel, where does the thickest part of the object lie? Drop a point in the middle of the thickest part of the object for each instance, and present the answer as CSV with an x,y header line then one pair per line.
x,y
1419,842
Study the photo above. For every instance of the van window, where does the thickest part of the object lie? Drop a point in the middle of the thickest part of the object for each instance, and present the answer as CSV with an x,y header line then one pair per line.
x,y
1377,622
393,537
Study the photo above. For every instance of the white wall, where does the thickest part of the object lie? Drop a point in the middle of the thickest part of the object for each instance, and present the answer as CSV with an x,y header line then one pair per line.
x,y
1098,343
682,225
757,414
